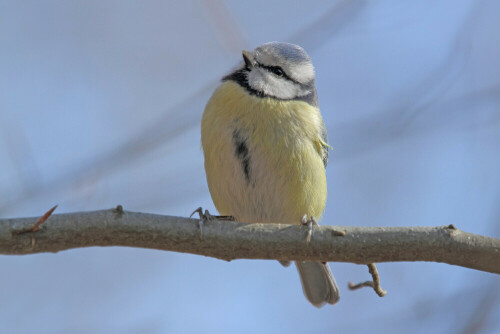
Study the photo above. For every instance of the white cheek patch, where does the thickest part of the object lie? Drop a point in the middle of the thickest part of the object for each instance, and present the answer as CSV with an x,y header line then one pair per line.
x,y
303,72
263,81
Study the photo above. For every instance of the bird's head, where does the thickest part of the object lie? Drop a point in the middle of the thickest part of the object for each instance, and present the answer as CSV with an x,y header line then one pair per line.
x,y
279,70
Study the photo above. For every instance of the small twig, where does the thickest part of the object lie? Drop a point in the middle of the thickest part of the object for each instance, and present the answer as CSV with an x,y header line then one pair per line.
x,y
36,226
353,286
375,284
372,268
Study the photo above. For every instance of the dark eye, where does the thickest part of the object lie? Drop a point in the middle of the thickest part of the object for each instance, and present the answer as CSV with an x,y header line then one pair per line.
x,y
278,71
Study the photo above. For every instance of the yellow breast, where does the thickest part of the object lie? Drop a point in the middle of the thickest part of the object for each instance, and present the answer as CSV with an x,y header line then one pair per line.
x,y
263,156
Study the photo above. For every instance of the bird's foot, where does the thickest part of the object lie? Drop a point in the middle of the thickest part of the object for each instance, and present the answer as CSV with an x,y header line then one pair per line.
x,y
206,217
309,223
203,216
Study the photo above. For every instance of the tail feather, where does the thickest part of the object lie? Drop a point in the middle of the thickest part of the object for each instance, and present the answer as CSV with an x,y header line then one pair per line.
x,y
318,283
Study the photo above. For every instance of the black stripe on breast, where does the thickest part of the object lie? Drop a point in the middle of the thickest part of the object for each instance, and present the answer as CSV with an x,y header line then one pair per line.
x,y
241,151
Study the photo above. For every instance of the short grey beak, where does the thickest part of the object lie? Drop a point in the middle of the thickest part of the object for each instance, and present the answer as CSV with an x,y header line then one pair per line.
x,y
248,58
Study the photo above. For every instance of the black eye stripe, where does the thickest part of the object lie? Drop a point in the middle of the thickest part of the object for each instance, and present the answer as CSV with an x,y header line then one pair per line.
x,y
275,69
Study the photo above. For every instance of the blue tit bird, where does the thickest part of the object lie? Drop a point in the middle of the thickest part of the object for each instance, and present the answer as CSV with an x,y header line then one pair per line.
x,y
265,148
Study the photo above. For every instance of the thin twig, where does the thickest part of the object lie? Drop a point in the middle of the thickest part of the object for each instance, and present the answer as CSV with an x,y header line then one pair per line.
x,y
36,226
372,268
375,284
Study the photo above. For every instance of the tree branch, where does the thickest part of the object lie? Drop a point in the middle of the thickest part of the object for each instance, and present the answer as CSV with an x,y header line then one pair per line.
x,y
230,240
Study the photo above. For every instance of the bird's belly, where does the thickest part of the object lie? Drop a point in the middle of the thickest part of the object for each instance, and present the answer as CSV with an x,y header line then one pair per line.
x,y
281,184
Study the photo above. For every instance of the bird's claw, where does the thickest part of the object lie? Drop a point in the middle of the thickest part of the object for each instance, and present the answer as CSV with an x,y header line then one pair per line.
x,y
204,217
309,223
199,211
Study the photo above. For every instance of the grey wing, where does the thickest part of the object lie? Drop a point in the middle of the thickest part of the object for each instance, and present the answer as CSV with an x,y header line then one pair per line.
x,y
324,136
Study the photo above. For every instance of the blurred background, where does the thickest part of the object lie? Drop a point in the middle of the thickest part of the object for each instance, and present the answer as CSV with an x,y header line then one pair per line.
x,y
100,104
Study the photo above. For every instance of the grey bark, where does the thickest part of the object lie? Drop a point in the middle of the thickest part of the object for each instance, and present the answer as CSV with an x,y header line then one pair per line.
x,y
231,240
